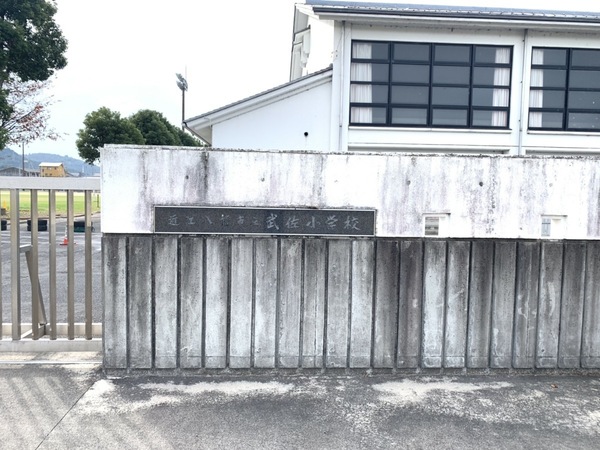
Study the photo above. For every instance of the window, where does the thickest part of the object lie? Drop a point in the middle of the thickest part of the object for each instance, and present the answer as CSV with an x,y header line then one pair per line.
x,y
553,226
408,84
435,224
565,89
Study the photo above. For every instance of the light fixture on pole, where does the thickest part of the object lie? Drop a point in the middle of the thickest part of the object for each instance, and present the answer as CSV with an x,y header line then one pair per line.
x,y
183,85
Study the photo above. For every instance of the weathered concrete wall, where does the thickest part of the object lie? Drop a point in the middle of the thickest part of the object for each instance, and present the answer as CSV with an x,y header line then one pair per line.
x,y
483,196
394,301
195,302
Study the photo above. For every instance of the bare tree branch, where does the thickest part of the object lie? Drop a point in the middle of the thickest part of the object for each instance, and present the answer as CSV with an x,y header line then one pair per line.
x,y
28,120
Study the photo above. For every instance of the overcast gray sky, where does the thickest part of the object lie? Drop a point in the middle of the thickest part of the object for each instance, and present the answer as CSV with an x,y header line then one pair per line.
x,y
124,54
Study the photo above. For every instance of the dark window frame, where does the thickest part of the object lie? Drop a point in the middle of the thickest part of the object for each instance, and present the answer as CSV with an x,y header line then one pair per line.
x,y
566,110
428,106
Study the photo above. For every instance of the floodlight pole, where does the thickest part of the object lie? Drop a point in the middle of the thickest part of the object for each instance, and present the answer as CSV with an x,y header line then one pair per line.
x,y
182,107
183,85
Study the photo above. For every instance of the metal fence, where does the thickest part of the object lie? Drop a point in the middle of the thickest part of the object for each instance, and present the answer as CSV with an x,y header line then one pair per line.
x,y
45,314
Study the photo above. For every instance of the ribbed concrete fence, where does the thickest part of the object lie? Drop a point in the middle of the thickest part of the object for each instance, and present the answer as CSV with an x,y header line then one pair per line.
x,y
202,302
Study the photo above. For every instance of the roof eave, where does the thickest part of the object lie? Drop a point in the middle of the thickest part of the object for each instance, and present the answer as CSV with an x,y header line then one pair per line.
x,y
454,19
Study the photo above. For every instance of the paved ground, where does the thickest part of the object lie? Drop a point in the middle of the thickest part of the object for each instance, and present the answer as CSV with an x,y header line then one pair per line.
x,y
65,401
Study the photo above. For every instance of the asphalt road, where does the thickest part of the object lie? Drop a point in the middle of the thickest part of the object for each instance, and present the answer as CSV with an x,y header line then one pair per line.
x,y
61,275
56,404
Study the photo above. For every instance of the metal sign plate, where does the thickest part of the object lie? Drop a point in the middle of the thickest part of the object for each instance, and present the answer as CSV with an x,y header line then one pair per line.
x,y
264,221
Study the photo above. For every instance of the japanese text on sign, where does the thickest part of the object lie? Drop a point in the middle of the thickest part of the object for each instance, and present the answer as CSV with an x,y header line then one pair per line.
x,y
279,221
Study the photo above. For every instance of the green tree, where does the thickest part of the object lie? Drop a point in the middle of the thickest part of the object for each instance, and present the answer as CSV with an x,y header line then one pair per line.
x,y
144,127
33,48
157,130
105,127
188,140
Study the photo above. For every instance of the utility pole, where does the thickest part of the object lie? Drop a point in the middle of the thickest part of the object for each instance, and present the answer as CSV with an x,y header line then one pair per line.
x,y
183,85
23,159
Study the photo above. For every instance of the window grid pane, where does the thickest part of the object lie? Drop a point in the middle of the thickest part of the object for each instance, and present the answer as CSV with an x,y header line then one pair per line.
x,y
585,58
412,52
565,89
430,85
409,116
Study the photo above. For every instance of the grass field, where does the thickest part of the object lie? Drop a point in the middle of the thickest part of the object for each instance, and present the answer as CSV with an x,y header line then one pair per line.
x,y
61,203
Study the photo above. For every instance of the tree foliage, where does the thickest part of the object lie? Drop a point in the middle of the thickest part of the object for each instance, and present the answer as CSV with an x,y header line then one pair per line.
x,y
105,127
144,127
155,128
33,48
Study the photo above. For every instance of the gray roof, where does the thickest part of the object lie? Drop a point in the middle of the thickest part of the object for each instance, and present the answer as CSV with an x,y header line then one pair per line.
x,y
470,12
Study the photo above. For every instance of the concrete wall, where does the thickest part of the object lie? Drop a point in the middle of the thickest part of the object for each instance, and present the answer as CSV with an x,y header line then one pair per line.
x,y
481,196
394,300
195,302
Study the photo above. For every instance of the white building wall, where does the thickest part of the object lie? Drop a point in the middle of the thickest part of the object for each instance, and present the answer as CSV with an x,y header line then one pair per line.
x,y
298,122
477,196
322,47
282,125
340,89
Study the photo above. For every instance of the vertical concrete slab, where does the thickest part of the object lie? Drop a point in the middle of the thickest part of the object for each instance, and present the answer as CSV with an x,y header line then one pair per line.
x,y
549,305
139,293
527,289
313,314
434,293
409,303
165,302
114,273
338,303
573,299
217,280
480,304
387,265
240,342
290,297
363,270
503,304
192,301
457,300
265,302
590,349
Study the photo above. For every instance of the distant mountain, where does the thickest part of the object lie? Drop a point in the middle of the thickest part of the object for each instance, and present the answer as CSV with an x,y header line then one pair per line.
x,y
77,167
